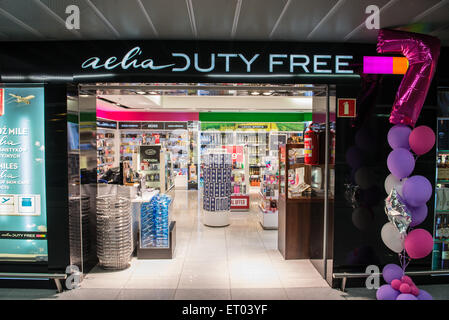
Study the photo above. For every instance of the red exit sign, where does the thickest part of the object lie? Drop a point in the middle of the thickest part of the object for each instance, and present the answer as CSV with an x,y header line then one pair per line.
x,y
346,108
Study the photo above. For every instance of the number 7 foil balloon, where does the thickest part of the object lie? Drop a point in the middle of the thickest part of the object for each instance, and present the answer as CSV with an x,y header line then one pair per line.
x,y
422,52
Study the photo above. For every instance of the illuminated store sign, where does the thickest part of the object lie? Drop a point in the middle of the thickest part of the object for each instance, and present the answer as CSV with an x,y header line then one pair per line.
x,y
225,62
23,221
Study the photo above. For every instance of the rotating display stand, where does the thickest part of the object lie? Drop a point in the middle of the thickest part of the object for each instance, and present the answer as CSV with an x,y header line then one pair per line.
x,y
217,189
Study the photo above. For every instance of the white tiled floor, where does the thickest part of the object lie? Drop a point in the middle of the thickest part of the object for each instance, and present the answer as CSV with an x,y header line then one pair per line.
x,y
240,261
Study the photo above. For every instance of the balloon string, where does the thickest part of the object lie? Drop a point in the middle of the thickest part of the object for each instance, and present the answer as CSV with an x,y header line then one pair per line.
x,y
404,260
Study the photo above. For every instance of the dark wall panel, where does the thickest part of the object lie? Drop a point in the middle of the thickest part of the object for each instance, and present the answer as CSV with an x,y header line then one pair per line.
x,y
57,179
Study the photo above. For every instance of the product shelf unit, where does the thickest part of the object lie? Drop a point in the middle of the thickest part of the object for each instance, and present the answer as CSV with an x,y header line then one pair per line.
x,y
269,194
258,143
440,254
130,140
106,150
240,199
157,168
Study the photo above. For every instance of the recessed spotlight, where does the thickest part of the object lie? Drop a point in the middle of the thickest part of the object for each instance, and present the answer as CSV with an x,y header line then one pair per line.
x,y
141,92
152,92
267,93
255,93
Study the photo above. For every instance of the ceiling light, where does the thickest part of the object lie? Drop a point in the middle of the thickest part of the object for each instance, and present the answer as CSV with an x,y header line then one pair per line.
x,y
255,93
267,93
152,92
141,92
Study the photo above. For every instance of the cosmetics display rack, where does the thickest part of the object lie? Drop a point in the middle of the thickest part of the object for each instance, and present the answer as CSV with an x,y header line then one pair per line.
x,y
240,199
217,189
129,145
106,150
176,142
257,146
156,166
269,194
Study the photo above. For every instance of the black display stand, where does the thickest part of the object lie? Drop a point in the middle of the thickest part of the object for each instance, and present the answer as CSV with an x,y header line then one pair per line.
x,y
160,253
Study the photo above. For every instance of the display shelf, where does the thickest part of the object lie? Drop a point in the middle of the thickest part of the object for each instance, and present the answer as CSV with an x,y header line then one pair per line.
x,y
157,232
440,254
106,150
216,200
156,167
269,189
268,220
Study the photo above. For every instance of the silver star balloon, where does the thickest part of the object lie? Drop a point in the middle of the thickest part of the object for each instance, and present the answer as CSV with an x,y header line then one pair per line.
x,y
351,194
397,212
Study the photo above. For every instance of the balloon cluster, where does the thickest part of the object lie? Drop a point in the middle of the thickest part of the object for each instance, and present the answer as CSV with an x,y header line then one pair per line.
x,y
406,208
399,286
405,205
407,196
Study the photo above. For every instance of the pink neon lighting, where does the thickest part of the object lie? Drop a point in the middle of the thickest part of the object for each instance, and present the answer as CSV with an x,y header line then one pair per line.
x,y
103,112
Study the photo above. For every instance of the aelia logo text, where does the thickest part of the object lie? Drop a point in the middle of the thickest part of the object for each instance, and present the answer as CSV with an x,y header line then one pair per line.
x,y
182,62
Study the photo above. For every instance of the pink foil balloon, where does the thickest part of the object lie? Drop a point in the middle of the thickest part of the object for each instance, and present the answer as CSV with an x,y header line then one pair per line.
x,y
422,52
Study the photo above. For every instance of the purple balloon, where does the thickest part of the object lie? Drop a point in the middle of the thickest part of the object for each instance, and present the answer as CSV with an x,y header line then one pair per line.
x,y
401,163
386,292
398,136
392,271
354,157
365,141
424,295
406,296
419,214
417,190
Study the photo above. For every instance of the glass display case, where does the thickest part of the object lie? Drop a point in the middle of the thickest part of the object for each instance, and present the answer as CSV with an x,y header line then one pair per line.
x,y
295,178
440,257
156,166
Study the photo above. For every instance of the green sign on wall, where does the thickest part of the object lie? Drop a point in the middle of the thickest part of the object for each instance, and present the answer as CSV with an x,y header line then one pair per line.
x,y
244,126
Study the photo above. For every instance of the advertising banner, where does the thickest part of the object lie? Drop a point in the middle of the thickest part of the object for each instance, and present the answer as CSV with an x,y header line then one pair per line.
x,y
260,126
23,220
240,202
150,154
236,152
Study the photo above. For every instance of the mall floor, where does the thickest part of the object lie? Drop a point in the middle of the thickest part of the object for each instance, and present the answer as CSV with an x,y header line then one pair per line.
x,y
240,261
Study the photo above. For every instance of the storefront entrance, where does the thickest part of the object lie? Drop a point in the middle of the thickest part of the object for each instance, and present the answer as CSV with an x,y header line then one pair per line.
x,y
270,233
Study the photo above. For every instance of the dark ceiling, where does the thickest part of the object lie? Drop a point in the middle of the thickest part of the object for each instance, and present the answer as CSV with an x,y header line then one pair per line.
x,y
293,20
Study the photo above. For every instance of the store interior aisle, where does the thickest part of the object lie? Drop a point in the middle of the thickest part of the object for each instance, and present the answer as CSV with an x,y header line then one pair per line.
x,y
240,261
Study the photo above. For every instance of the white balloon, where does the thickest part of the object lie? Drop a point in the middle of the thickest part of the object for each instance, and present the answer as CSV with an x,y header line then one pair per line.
x,y
365,178
392,182
392,238
362,218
